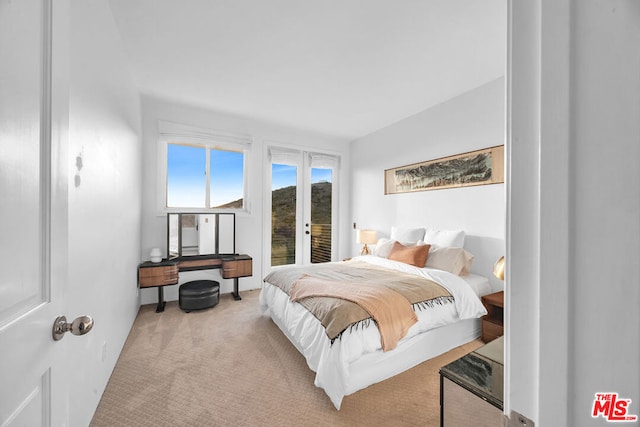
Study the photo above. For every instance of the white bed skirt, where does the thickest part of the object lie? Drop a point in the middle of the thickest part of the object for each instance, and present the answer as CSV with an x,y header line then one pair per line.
x,y
339,376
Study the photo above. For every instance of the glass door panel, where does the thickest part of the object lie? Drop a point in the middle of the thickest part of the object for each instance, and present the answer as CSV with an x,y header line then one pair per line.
x,y
321,214
283,214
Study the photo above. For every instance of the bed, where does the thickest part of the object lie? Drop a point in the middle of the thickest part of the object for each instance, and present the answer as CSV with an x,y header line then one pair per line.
x,y
355,358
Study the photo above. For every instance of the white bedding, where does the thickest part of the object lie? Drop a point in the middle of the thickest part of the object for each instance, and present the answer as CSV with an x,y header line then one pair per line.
x,y
356,360
480,284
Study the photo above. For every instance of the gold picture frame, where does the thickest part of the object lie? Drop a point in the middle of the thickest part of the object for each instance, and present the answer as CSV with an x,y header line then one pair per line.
x,y
480,167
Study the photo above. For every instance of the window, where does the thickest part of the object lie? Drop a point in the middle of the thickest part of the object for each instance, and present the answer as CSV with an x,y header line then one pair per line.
x,y
200,176
202,169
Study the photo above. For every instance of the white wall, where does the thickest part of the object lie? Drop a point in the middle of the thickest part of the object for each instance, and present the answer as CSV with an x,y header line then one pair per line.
x,y
574,209
104,202
249,226
471,121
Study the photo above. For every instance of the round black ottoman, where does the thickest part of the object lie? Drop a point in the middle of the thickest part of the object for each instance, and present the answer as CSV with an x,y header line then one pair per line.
x,y
198,295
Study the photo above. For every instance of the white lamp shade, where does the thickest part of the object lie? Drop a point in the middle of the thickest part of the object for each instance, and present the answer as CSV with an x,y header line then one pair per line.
x,y
156,255
367,237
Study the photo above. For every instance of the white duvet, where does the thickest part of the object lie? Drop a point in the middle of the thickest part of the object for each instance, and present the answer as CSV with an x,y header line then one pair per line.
x,y
331,361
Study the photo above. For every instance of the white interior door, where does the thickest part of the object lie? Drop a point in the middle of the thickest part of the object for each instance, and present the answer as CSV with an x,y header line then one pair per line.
x,y
32,221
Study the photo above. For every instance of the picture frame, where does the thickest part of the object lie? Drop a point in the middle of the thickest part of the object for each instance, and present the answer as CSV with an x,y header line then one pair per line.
x,y
480,167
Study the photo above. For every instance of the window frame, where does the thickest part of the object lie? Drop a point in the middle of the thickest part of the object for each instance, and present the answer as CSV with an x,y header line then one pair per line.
x,y
171,133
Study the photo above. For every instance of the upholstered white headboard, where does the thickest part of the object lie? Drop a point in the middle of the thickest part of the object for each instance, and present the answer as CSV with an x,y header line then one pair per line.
x,y
486,250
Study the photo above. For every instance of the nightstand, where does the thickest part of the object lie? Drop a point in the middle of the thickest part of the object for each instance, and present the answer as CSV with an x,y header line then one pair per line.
x,y
493,322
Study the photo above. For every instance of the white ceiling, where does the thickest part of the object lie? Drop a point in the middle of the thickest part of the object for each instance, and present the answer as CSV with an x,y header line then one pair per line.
x,y
344,68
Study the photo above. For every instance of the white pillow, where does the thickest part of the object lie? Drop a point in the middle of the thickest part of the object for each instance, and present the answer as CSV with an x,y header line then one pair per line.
x,y
383,247
454,238
454,260
406,235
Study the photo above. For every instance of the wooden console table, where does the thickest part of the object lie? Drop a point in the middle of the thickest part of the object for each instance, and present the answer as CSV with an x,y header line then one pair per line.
x,y
166,272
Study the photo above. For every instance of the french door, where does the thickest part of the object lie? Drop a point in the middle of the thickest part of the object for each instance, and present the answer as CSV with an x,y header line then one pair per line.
x,y
302,188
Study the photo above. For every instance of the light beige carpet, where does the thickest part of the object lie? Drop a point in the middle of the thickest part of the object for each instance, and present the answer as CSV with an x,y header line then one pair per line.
x,y
231,366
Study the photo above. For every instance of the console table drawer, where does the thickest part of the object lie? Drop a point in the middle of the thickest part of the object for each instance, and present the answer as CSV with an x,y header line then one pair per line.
x,y
237,268
199,264
158,276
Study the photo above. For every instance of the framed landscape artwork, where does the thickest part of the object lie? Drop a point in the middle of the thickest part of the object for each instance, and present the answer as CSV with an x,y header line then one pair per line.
x,y
479,167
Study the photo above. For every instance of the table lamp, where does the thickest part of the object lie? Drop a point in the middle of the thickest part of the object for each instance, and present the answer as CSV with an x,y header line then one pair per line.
x,y
366,237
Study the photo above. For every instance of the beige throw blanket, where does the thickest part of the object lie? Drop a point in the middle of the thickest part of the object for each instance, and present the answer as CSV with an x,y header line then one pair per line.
x,y
390,310
336,314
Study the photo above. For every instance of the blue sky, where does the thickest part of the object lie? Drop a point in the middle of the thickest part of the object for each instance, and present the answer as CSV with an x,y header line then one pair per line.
x,y
185,176
282,176
227,176
285,175
319,175
186,180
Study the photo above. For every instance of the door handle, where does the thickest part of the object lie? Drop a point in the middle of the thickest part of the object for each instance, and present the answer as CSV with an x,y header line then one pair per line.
x,y
80,326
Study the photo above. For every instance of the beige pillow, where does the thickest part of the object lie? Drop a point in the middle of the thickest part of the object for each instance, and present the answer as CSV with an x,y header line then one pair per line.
x,y
454,260
413,255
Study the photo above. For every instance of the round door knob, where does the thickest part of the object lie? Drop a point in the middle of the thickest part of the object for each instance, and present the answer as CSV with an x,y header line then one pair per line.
x,y
80,326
